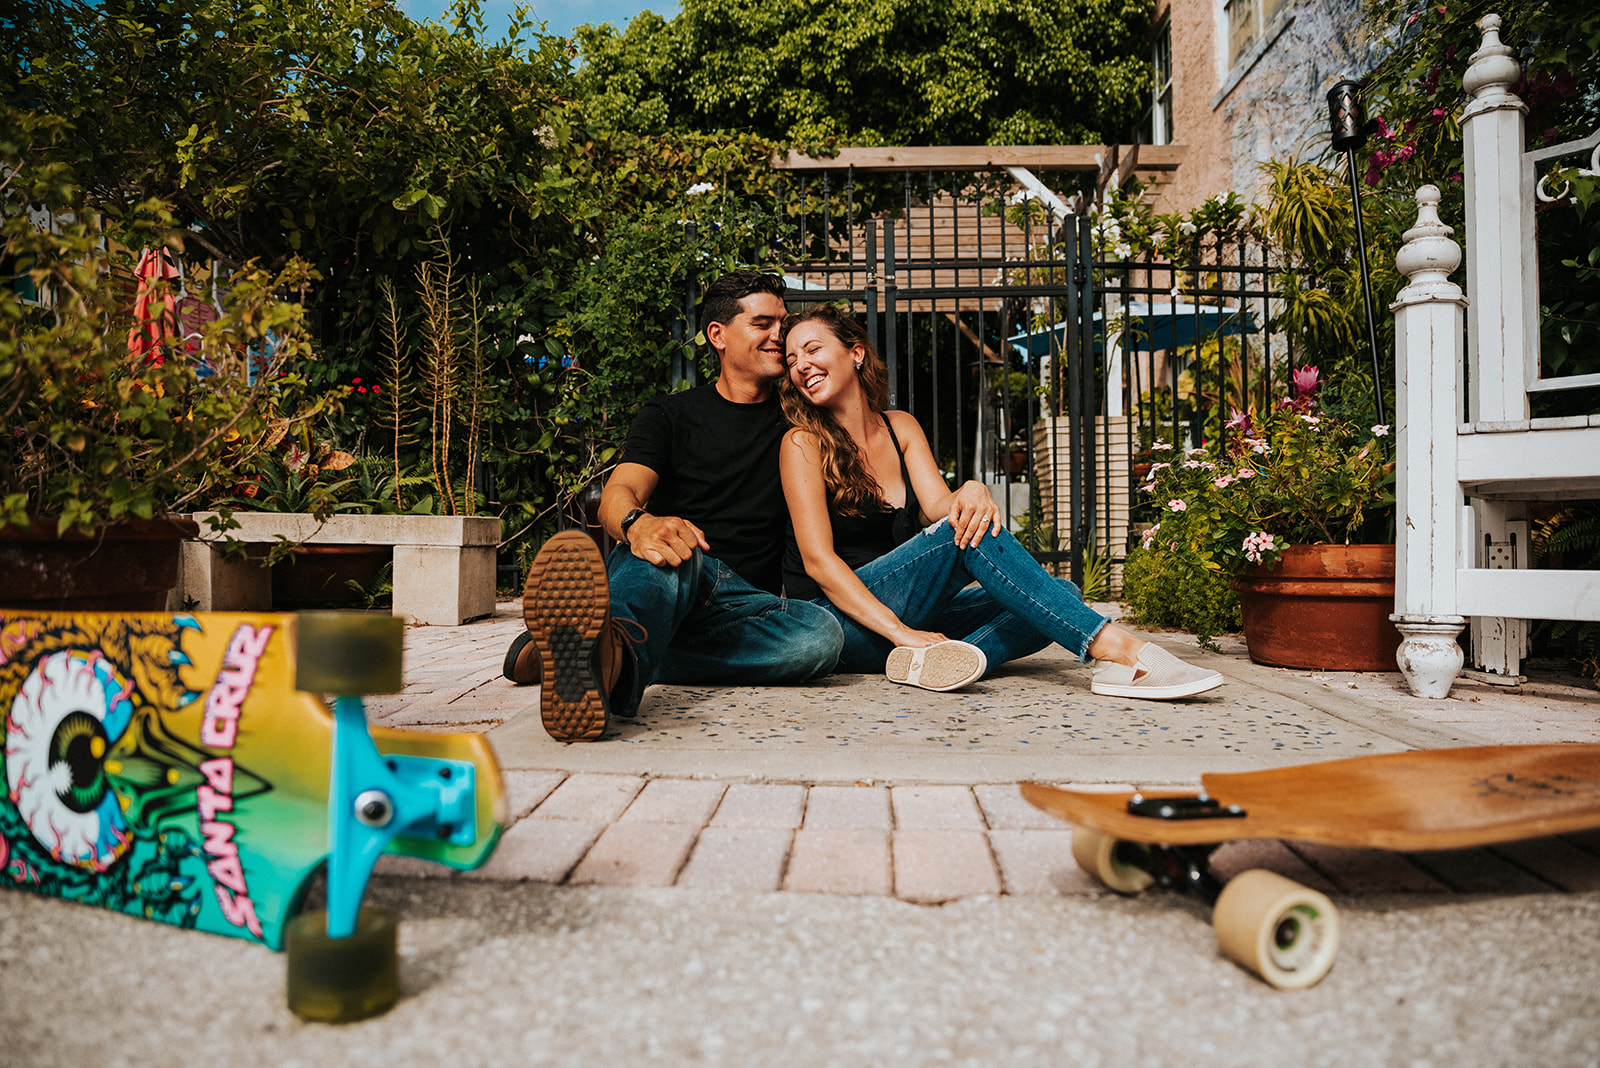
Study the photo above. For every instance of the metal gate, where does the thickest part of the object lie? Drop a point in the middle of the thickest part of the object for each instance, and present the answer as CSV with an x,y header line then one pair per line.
x,y
1032,366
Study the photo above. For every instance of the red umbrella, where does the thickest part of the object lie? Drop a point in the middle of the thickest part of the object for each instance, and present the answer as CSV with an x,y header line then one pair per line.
x,y
155,319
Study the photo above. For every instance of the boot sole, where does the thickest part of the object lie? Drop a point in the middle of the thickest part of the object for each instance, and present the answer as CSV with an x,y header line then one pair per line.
x,y
947,665
565,605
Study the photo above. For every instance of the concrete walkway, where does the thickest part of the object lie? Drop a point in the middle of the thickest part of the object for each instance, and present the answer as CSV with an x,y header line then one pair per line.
x,y
854,785
844,874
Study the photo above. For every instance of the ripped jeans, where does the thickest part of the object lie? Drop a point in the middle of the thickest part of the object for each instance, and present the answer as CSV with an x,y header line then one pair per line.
x,y
1018,608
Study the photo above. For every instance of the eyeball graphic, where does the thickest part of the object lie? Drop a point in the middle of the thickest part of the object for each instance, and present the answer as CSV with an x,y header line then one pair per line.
x,y
64,720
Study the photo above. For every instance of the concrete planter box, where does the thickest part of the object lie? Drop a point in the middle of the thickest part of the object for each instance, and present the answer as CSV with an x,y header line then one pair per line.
x,y
444,566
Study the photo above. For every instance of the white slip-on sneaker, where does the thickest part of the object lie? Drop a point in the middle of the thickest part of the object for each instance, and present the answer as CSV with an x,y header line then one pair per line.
x,y
1158,676
946,665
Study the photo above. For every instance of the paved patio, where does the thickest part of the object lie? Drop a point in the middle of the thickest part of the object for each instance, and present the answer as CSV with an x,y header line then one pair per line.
x,y
854,785
844,874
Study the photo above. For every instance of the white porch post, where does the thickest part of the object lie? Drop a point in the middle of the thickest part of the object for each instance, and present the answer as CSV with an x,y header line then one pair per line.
x,y
1428,353
1500,285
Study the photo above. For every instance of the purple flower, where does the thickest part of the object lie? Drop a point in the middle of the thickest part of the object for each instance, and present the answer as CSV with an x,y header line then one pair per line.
x,y
1241,422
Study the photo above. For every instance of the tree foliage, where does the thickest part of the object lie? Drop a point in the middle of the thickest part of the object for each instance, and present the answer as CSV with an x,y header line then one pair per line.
x,y
875,72
339,134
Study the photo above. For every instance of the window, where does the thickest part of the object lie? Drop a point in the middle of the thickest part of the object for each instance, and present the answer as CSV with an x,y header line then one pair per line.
x,y
1158,118
1247,25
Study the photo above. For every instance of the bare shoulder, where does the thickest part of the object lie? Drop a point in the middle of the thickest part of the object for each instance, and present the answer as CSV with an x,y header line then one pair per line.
x,y
906,427
803,440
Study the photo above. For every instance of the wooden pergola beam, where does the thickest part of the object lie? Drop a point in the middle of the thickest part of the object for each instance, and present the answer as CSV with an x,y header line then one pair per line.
x,y
979,158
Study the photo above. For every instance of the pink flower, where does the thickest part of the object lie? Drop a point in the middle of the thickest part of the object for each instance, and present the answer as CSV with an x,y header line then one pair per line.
x,y
1247,472
1305,379
1224,482
1177,505
1241,422
1256,543
1149,536
1380,431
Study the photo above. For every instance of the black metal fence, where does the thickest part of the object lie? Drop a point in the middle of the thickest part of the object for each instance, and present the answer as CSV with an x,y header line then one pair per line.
x,y
1035,365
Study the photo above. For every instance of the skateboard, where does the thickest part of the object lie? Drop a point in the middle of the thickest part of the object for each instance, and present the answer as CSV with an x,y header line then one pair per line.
x,y
186,768
1286,933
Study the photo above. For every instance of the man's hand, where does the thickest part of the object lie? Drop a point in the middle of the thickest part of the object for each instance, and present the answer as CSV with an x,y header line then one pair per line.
x,y
665,541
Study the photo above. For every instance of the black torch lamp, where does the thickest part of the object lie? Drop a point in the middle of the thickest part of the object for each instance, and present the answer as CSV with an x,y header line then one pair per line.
x,y
1348,125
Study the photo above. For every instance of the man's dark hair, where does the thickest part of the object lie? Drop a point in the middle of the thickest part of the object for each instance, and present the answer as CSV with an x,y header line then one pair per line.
x,y
721,302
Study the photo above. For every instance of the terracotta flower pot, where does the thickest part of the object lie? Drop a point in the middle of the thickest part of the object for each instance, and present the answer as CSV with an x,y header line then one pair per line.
x,y
125,567
1322,607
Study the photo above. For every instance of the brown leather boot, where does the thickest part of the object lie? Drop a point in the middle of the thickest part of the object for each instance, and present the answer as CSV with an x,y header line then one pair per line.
x,y
566,605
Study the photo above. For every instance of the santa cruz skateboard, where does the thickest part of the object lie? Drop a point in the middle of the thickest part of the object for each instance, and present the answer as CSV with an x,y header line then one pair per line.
x,y
186,769
1418,802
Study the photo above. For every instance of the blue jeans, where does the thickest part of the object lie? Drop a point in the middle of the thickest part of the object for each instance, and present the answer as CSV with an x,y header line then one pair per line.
x,y
1018,609
700,622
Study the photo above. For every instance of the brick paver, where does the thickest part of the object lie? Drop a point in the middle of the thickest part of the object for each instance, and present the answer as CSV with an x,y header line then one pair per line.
x,y
935,866
543,851
840,862
525,790
761,805
675,801
1555,861
590,797
637,854
1039,861
1369,871
1004,808
738,858
853,808
935,808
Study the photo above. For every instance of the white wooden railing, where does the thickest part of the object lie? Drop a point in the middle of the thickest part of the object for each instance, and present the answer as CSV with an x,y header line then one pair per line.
x,y
1458,561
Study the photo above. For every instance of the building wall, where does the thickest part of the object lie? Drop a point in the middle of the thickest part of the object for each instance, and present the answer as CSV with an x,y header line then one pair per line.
x,y
1273,108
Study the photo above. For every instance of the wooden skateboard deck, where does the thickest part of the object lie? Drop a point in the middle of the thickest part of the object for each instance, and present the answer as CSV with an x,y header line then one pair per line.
x,y
1437,799
1286,933
164,765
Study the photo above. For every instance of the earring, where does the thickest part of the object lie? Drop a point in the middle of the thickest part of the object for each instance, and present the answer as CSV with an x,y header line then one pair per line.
x,y
858,366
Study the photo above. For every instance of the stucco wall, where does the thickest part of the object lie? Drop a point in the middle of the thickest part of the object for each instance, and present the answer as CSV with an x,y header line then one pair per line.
x,y
1277,109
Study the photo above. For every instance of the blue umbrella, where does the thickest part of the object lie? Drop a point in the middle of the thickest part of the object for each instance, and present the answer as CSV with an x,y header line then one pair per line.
x,y
1162,326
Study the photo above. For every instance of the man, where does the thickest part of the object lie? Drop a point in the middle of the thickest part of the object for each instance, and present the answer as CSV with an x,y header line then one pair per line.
x,y
690,593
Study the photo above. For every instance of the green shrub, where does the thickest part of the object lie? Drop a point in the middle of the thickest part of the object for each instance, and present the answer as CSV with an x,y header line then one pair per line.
x,y
1163,589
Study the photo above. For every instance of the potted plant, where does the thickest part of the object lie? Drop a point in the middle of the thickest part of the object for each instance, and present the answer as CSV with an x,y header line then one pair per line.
x,y
114,420
1284,511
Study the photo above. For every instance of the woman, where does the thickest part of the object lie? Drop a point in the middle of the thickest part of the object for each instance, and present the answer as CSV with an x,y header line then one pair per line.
x,y
861,484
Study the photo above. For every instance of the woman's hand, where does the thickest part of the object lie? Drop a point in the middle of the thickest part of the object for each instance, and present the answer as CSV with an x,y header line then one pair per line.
x,y
915,639
972,510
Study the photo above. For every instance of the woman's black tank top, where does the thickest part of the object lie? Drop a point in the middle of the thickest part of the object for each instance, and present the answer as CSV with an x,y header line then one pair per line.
x,y
857,539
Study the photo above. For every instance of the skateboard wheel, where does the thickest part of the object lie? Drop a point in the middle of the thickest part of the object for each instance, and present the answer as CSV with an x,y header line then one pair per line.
x,y
1110,860
340,980
1284,932
349,653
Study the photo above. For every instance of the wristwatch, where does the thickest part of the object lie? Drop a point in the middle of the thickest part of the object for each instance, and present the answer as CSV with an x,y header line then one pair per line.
x,y
627,521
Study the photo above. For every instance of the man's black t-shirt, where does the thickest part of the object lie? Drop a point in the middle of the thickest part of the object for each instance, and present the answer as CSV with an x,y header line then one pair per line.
x,y
718,465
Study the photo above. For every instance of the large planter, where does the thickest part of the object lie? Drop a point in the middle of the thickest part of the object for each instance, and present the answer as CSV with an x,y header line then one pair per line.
x,y
1322,607
320,576
125,567
444,566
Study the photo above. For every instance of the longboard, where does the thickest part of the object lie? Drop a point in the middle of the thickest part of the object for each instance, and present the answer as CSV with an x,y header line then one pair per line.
x,y
165,766
1418,802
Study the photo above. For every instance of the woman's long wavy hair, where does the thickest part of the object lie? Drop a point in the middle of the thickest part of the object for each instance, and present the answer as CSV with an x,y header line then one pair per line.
x,y
851,488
